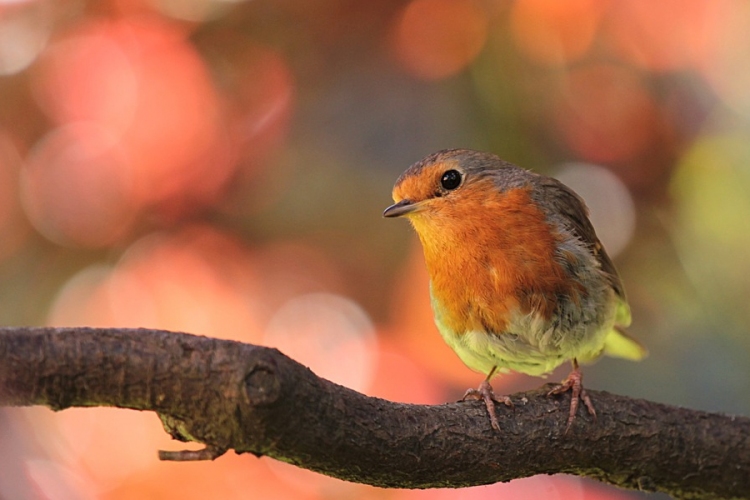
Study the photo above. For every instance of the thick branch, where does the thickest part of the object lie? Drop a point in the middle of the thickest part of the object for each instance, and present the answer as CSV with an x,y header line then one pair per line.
x,y
253,399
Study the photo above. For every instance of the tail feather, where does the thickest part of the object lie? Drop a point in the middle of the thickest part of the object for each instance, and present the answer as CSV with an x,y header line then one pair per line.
x,y
620,344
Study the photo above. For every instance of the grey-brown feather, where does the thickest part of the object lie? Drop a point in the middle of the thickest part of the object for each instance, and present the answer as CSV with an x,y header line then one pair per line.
x,y
564,207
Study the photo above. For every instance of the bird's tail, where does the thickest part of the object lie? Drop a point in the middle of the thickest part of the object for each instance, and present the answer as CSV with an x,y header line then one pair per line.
x,y
620,344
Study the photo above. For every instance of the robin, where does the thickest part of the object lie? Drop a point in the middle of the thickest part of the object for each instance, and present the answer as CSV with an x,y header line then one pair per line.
x,y
518,278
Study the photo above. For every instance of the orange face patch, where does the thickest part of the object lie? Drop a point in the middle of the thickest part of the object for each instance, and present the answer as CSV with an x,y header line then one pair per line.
x,y
421,185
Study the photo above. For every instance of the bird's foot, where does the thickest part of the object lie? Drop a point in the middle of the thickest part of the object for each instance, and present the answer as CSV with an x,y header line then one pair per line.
x,y
574,384
486,394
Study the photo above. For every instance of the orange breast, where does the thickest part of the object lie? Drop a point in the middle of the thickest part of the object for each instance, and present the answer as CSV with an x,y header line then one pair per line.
x,y
489,257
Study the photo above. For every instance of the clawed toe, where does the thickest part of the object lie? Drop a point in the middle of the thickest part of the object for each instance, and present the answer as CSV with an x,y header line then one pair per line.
x,y
574,384
486,394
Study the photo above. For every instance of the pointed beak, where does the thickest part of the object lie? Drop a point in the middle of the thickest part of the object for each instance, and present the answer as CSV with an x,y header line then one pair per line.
x,y
403,207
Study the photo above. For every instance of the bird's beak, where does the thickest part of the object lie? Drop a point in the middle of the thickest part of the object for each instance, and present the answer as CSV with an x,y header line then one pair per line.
x,y
403,207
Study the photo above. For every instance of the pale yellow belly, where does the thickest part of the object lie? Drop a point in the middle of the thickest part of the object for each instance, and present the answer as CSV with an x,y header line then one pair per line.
x,y
530,345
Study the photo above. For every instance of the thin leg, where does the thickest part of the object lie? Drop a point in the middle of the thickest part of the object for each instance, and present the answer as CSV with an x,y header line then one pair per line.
x,y
486,394
574,384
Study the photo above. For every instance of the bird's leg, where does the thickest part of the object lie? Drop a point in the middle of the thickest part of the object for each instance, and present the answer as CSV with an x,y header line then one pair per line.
x,y
574,384
486,394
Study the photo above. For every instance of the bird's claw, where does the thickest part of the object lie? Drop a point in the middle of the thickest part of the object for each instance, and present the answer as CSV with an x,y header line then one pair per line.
x,y
574,384
486,394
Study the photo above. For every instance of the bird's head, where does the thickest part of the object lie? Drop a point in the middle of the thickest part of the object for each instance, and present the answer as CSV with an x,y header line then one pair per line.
x,y
452,187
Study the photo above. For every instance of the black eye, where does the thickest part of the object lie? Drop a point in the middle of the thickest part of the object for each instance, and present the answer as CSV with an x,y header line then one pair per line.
x,y
450,180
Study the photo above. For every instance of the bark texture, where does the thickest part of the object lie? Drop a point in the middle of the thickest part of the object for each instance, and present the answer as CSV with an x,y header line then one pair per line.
x,y
252,399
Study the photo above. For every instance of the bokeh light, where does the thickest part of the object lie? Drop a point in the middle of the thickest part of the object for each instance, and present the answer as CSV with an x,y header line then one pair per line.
x,y
637,32
54,480
329,334
76,187
712,191
547,487
434,39
611,208
725,65
87,76
605,112
139,80
25,28
197,281
413,385
84,299
555,33
220,167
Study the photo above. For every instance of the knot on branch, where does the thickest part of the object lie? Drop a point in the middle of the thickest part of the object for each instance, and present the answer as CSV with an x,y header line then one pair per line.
x,y
262,385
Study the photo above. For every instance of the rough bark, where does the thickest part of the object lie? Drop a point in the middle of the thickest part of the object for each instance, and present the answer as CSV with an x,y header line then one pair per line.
x,y
253,399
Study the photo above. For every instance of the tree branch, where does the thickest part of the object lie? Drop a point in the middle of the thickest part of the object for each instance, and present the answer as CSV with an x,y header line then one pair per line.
x,y
253,399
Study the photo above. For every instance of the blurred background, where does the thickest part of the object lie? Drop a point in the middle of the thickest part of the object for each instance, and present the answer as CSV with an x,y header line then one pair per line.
x,y
220,167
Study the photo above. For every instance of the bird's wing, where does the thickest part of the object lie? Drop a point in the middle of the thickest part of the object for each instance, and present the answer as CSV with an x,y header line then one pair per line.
x,y
564,203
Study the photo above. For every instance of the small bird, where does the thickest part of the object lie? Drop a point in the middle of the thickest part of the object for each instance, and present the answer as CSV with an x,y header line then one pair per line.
x,y
518,278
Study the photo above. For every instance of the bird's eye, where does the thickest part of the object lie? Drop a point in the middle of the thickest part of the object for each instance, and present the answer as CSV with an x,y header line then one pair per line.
x,y
450,180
